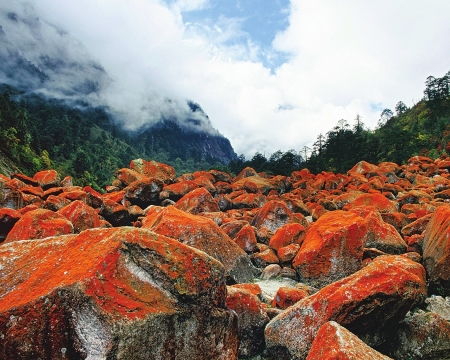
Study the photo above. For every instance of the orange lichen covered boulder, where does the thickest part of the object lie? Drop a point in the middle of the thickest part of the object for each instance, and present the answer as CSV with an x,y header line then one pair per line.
x,y
375,200
288,296
334,342
286,235
203,234
47,178
81,216
8,217
436,250
246,172
39,224
417,226
102,294
381,235
246,200
364,168
143,192
252,318
287,253
367,303
115,213
197,201
271,216
332,248
246,238
178,190
154,170
253,184
127,176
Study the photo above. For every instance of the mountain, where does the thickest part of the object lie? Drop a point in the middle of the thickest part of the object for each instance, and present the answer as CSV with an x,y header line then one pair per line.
x,y
57,98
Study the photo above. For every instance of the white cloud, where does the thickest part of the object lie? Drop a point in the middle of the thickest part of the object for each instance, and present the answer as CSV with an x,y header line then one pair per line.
x,y
345,57
191,5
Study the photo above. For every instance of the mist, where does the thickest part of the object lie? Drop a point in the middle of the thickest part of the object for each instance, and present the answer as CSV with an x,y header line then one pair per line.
x,y
40,57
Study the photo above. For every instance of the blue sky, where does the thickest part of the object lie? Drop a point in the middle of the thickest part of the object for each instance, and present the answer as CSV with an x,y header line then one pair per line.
x,y
255,21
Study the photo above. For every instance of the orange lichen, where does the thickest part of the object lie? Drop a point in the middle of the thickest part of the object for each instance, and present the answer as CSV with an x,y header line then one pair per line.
x,y
286,235
38,224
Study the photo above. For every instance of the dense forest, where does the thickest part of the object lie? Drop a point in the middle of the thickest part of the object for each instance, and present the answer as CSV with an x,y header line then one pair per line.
x,y
423,129
37,133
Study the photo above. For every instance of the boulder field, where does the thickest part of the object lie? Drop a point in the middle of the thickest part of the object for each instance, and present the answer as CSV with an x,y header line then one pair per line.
x,y
209,266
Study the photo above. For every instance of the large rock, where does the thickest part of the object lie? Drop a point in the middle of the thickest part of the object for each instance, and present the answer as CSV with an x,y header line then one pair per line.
x,y
202,233
47,178
197,201
334,342
270,217
252,318
8,217
154,170
38,224
422,335
381,235
82,216
377,201
144,192
436,250
369,303
122,293
332,248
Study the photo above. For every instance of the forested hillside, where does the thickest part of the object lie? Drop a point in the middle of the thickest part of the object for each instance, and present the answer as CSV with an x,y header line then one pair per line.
x,y
423,129
38,133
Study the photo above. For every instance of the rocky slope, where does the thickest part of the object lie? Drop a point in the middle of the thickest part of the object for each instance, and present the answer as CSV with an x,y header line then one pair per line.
x,y
211,266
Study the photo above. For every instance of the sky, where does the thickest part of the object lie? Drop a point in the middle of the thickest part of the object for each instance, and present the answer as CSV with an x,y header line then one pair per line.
x,y
271,74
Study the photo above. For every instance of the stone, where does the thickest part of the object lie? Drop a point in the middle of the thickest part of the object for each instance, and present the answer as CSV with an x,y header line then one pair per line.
x,y
8,217
436,250
286,235
287,253
271,271
122,293
252,318
115,213
205,235
178,190
197,201
47,179
39,224
332,248
154,170
381,235
246,239
422,335
143,192
369,303
271,216
245,201
266,257
334,341
377,201
288,296
81,216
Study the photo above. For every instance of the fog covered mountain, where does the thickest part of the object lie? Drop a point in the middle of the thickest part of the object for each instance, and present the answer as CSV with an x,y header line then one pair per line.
x,y
39,58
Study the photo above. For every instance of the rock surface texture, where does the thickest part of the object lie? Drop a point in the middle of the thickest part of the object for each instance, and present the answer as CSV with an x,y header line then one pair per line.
x,y
115,293
209,265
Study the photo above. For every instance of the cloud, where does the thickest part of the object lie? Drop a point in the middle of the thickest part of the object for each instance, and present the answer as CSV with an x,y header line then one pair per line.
x,y
191,5
343,58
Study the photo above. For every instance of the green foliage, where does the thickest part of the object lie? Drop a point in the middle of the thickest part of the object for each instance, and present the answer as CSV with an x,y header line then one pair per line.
x,y
423,129
37,133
